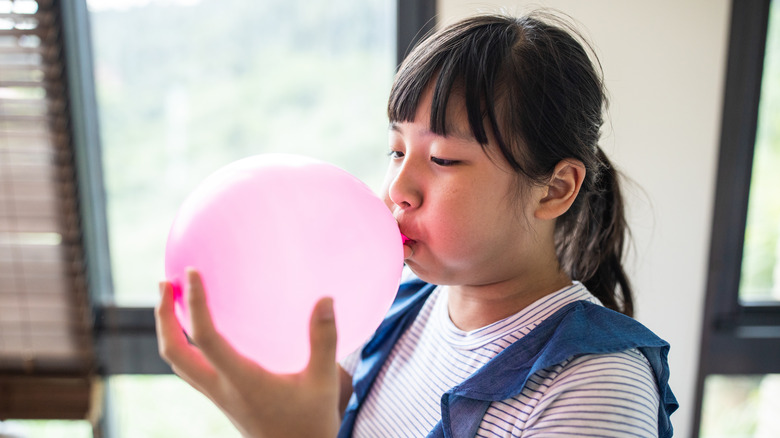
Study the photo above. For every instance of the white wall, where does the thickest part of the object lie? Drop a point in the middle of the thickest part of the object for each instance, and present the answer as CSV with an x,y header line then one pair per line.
x,y
664,64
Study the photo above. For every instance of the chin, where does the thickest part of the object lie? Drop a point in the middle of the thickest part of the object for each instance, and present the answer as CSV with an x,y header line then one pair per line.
x,y
428,275
419,272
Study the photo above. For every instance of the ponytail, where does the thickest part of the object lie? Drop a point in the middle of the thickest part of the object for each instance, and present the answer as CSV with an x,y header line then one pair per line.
x,y
590,242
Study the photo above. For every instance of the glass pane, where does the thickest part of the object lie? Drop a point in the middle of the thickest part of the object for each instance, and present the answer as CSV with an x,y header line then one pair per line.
x,y
741,407
163,407
187,86
45,429
761,262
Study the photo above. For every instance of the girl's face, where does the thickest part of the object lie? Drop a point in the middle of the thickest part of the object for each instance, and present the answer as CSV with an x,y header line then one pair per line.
x,y
458,203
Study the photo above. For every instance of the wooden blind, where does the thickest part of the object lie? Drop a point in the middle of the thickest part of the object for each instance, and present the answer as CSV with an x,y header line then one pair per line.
x,y
46,353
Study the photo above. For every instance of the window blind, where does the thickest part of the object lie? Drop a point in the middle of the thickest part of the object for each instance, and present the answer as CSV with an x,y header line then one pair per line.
x,y
46,353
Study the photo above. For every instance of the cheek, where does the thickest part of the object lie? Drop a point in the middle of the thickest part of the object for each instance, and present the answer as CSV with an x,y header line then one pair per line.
x,y
484,218
459,223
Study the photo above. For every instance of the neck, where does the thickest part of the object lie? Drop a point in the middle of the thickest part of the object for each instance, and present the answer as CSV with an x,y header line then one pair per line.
x,y
473,307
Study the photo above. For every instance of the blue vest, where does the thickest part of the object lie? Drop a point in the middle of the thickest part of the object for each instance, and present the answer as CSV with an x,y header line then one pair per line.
x,y
577,329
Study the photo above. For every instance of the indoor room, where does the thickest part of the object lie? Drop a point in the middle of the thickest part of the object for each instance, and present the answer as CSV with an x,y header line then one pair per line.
x,y
112,112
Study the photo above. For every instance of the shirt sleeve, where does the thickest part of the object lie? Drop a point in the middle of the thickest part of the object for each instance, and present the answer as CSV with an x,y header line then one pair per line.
x,y
605,395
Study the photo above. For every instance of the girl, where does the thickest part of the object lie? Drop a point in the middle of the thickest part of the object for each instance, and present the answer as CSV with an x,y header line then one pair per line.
x,y
509,322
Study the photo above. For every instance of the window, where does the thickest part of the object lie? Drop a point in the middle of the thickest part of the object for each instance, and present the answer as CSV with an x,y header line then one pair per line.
x,y
760,275
737,406
740,355
162,93
206,83
211,81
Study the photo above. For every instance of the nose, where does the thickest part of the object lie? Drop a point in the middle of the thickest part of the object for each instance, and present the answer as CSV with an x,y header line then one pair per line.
x,y
403,186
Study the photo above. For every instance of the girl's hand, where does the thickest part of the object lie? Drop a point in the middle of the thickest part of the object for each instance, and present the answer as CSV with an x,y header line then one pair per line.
x,y
257,402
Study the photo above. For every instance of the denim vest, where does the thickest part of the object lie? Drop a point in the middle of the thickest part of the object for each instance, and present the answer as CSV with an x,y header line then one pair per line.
x,y
577,329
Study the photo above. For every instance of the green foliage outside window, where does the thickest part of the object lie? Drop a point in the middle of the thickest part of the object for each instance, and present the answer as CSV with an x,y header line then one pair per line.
x,y
761,261
186,87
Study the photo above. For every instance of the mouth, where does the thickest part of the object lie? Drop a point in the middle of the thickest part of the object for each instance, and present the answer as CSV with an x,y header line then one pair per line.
x,y
407,240
408,246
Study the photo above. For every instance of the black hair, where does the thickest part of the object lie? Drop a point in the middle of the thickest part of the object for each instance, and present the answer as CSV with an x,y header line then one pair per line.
x,y
533,85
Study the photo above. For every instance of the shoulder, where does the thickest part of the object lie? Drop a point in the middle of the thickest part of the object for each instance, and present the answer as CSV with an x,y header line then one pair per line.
x,y
611,394
614,392
627,372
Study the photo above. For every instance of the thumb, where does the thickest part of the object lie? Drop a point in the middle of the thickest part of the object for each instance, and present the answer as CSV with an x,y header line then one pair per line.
x,y
322,339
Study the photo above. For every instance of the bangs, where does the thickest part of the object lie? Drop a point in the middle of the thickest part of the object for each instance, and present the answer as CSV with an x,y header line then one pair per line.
x,y
467,59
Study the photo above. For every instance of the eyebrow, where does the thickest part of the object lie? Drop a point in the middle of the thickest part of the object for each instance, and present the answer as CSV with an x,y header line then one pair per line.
x,y
451,132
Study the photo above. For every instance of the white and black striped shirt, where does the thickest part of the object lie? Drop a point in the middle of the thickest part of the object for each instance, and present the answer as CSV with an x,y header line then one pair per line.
x,y
593,395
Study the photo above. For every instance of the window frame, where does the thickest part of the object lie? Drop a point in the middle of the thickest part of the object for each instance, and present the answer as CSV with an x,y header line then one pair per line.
x,y
738,338
125,336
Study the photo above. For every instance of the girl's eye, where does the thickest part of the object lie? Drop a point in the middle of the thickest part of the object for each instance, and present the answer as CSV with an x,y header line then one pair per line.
x,y
395,154
443,162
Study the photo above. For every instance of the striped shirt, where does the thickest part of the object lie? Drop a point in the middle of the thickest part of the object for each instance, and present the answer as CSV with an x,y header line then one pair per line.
x,y
591,395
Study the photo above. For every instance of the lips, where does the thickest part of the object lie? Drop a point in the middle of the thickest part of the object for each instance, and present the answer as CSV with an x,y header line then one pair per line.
x,y
407,240
408,246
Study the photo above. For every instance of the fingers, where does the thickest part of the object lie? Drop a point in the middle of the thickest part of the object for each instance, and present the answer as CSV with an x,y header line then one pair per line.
x,y
211,343
323,339
202,326
174,347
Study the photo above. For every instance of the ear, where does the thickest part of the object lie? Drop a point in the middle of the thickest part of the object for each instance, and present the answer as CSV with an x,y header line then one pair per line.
x,y
561,190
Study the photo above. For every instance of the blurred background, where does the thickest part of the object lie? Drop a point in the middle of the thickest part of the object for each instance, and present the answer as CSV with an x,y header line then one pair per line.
x,y
111,111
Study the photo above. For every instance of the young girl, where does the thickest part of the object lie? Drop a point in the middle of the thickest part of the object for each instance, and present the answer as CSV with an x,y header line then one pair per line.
x,y
509,322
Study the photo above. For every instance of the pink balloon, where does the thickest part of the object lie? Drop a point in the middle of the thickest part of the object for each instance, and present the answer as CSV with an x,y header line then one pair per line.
x,y
270,235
